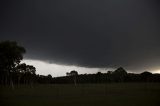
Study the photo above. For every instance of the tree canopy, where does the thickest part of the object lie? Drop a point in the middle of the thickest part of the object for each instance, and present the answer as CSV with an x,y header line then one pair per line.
x,y
10,55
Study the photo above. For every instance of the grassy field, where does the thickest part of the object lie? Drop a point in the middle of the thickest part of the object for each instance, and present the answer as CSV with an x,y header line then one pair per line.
x,y
120,94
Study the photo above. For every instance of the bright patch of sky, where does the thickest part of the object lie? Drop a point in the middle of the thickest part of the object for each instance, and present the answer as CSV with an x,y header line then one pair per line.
x,y
45,68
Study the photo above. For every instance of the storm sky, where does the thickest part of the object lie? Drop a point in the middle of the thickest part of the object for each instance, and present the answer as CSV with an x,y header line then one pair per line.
x,y
86,33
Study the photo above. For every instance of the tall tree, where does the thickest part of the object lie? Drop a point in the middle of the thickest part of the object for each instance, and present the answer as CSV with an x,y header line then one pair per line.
x,y
10,56
27,72
74,74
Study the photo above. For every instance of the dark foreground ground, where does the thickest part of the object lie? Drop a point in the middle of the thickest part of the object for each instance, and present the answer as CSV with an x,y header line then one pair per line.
x,y
120,94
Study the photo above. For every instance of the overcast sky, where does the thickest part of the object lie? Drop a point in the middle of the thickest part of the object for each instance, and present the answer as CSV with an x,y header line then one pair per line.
x,y
86,33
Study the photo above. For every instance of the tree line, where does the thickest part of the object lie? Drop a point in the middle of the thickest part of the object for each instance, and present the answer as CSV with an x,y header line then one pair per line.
x,y
117,76
12,72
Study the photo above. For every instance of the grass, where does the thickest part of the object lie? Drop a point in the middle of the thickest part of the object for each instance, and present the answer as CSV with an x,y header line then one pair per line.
x,y
115,94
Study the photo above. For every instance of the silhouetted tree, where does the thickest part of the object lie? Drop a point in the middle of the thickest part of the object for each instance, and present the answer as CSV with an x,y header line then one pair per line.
x,y
31,73
26,72
74,74
146,76
99,77
10,56
20,71
49,78
119,74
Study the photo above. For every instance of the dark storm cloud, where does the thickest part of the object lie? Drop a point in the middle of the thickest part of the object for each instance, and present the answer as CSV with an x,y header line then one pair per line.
x,y
90,33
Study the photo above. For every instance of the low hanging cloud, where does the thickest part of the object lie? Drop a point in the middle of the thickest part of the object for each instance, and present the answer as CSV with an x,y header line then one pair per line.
x,y
87,33
56,70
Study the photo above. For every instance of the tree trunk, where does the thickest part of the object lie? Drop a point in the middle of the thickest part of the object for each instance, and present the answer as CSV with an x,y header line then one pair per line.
x,y
75,81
